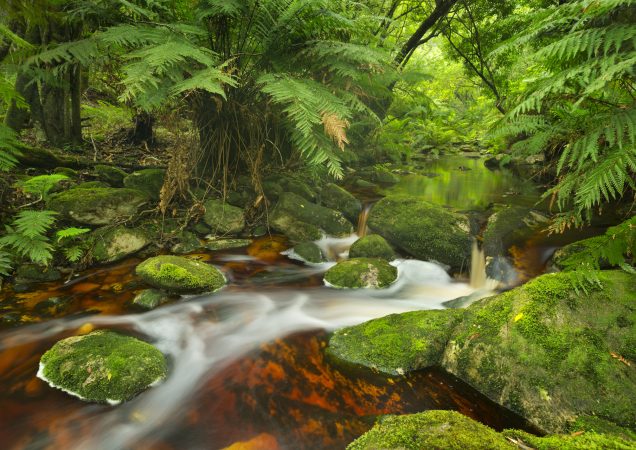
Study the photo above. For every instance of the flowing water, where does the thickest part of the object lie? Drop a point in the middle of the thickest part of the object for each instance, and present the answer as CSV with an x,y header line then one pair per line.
x,y
247,364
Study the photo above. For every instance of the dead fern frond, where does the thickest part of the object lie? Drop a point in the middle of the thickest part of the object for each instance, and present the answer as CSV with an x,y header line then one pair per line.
x,y
336,129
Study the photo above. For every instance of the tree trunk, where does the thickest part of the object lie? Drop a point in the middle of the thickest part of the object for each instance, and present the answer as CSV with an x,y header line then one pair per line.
x,y
143,131
76,105
53,108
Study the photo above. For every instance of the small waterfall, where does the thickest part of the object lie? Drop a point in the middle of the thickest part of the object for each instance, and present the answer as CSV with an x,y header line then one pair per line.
x,y
478,278
362,220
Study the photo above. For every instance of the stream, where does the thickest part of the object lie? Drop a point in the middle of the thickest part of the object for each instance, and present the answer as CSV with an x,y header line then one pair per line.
x,y
246,363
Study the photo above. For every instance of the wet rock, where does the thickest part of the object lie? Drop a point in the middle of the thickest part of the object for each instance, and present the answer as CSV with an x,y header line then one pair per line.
x,y
372,246
180,275
149,181
113,244
34,273
224,244
359,273
53,306
308,251
97,206
102,366
452,430
223,218
335,197
365,184
509,226
301,220
110,174
186,242
150,299
423,230
398,343
430,430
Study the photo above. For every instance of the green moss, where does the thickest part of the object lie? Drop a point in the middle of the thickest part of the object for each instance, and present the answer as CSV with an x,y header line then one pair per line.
x,y
379,174
149,181
110,174
97,206
423,230
361,273
372,246
309,252
179,274
223,218
573,252
430,430
66,171
335,197
91,184
584,441
103,366
398,343
150,299
292,211
113,244
545,350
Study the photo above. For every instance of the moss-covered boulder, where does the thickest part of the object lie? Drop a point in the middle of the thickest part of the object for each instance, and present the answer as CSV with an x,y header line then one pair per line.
x,y
97,206
423,230
67,171
372,246
359,273
335,197
149,181
398,343
113,244
91,185
308,251
551,352
186,242
430,430
454,431
276,185
509,226
34,273
150,299
179,274
102,366
223,218
566,257
302,220
110,174
378,174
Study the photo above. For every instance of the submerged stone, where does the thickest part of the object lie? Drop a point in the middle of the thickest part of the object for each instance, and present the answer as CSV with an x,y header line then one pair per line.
x,y
309,251
114,244
102,366
302,220
149,181
150,299
359,273
181,275
423,230
223,218
335,197
398,343
97,206
372,246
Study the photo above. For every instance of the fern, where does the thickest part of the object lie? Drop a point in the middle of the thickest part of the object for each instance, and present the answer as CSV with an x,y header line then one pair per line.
x,y
27,235
41,185
70,233
6,263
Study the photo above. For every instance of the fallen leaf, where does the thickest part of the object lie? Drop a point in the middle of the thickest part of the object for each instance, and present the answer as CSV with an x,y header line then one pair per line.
x,y
621,359
518,317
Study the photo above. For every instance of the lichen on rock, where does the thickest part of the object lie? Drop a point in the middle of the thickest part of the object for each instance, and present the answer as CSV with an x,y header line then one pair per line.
x,y
359,273
102,366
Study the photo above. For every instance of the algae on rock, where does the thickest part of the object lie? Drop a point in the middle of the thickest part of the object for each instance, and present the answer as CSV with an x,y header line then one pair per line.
x,y
359,273
102,366
180,275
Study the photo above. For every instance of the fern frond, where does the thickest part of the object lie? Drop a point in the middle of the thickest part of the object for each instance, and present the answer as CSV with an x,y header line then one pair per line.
x,y
41,185
34,224
71,232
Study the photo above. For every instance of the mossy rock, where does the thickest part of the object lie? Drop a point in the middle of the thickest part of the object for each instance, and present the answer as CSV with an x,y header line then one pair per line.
x,y
97,206
359,273
66,171
186,242
309,252
551,351
149,181
379,175
180,275
91,185
574,251
223,218
454,431
276,185
225,244
34,273
398,343
509,226
110,174
113,244
430,430
423,230
372,246
150,299
292,211
102,366
240,199
299,188
335,197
